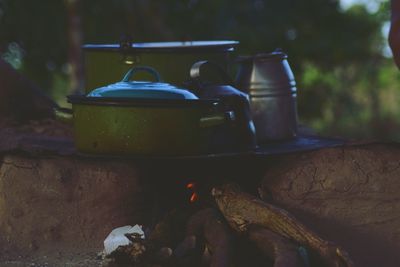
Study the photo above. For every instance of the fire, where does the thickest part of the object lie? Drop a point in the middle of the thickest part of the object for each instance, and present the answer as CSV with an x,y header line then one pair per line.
x,y
190,186
194,197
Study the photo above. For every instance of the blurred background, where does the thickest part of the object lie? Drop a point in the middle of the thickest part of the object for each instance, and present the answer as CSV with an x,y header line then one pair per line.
x,y
348,84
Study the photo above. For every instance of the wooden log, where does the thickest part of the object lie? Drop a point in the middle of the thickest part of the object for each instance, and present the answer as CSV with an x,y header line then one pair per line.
x,y
209,224
283,252
242,210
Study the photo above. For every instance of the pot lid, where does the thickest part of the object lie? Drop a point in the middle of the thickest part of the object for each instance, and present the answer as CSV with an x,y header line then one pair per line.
x,y
142,89
186,46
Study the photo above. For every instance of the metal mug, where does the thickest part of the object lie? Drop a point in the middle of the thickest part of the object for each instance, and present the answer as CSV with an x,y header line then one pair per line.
x,y
271,86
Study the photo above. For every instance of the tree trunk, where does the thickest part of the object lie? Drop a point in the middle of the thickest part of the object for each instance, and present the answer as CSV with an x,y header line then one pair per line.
x,y
75,55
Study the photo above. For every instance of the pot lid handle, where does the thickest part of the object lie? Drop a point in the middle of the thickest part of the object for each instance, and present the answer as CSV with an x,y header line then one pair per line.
x,y
128,76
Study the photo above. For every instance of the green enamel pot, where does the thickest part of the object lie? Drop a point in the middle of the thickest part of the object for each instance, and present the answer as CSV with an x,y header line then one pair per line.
x,y
146,118
104,63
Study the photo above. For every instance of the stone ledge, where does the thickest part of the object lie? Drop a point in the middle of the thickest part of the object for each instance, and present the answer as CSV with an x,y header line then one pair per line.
x,y
350,195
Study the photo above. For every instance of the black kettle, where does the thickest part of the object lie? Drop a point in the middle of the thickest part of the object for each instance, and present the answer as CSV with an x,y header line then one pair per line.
x,y
240,134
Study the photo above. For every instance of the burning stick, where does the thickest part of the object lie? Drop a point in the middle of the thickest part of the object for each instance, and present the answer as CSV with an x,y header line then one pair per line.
x,y
242,210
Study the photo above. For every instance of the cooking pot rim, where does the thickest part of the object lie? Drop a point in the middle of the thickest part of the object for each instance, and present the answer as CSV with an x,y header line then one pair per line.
x,y
168,47
144,102
263,56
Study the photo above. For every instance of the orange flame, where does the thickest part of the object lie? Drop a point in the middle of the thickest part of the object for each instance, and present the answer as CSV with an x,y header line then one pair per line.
x,y
190,186
194,198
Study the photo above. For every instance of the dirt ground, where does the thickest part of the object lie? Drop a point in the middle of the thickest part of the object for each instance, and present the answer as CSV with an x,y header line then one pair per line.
x,y
72,260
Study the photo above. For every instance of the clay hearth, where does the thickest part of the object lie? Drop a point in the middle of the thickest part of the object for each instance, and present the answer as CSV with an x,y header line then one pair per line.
x,y
57,206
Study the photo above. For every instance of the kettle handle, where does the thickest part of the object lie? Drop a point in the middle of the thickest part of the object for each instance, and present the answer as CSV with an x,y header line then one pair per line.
x,y
195,71
128,76
217,119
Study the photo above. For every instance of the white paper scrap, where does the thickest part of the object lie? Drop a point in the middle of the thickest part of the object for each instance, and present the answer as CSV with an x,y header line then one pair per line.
x,y
117,237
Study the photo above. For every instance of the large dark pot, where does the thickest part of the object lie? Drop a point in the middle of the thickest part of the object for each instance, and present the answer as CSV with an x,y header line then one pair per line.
x,y
104,63
147,118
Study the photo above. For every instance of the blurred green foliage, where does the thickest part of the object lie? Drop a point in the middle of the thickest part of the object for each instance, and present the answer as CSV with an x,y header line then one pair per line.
x,y
346,86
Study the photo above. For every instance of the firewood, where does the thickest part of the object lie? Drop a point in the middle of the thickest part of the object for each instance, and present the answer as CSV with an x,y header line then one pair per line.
x,y
133,253
209,225
155,249
140,253
242,210
281,250
186,246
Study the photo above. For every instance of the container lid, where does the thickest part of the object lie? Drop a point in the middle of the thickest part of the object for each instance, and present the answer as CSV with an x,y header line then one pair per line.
x,y
186,46
142,89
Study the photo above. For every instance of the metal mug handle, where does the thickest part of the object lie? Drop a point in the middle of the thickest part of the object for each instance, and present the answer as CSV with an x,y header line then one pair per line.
x,y
128,76
195,71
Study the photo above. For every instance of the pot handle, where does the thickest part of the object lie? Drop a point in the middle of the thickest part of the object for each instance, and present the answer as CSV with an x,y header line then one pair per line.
x,y
195,71
128,76
217,119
